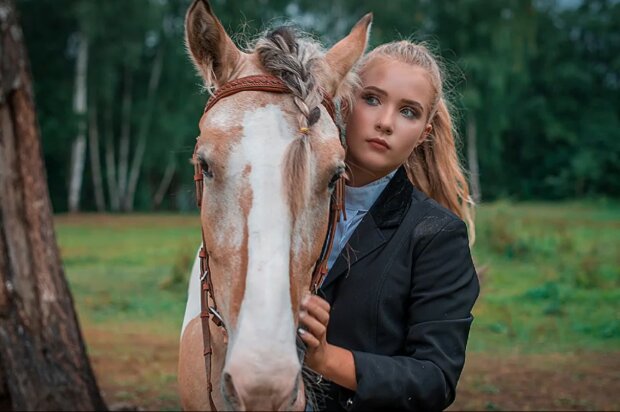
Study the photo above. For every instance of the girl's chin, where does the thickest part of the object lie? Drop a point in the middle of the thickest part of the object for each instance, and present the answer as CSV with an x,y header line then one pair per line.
x,y
378,166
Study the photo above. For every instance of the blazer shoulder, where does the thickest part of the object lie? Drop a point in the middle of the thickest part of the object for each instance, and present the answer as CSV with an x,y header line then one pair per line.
x,y
422,204
431,217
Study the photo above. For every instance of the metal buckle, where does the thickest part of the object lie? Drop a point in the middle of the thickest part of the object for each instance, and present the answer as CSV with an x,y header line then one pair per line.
x,y
216,314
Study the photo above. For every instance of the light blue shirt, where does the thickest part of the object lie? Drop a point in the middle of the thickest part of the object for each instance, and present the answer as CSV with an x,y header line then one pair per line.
x,y
358,201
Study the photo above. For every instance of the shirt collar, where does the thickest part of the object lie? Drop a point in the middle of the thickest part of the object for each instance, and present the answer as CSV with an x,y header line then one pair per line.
x,y
362,198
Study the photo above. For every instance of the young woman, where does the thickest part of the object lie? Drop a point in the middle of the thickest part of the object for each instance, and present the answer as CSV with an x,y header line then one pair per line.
x,y
392,328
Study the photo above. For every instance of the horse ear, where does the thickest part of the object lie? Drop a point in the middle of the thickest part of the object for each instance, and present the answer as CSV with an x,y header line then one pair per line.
x,y
213,52
343,55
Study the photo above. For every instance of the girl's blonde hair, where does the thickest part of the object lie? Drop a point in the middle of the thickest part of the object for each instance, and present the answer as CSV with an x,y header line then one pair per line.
x,y
433,166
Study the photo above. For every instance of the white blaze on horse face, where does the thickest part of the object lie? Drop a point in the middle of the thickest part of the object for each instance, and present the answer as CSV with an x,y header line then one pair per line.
x,y
266,314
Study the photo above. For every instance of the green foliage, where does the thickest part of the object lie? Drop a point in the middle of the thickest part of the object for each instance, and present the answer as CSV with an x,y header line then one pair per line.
x,y
178,278
538,78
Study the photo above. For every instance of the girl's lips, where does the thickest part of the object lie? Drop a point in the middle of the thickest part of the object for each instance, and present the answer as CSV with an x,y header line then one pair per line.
x,y
379,143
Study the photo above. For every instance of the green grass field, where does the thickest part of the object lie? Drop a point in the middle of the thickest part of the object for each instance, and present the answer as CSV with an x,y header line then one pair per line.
x,y
553,277
550,276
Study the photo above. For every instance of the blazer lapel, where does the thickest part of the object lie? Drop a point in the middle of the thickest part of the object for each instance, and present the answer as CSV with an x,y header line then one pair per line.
x,y
376,227
366,238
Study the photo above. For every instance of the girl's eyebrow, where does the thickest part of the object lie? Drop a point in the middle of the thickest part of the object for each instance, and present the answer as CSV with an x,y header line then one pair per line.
x,y
413,103
405,101
376,90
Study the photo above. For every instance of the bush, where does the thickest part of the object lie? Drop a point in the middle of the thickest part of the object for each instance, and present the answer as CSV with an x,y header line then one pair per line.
x,y
180,270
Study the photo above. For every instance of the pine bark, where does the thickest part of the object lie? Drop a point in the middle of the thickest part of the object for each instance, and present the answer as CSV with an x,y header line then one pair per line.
x,y
43,359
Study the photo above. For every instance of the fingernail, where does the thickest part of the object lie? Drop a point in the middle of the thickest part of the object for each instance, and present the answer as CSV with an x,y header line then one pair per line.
x,y
300,331
305,299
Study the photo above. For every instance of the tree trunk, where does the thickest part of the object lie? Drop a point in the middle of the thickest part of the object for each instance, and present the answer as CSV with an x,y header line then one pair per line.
x,y
42,355
78,148
136,164
472,158
95,162
123,156
110,162
5,400
165,183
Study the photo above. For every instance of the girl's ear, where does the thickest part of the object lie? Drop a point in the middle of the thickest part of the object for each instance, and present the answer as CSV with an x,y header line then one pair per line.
x,y
425,134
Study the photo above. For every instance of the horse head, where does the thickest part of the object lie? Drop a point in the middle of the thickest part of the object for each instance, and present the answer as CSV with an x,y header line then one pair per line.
x,y
269,163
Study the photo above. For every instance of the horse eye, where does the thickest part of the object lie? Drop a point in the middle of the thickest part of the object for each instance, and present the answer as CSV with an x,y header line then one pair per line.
x,y
335,177
206,170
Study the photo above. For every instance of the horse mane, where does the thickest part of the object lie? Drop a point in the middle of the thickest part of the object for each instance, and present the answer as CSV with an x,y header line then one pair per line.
x,y
299,62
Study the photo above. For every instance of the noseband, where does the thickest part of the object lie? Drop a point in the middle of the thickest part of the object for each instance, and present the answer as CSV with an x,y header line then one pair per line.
x,y
270,84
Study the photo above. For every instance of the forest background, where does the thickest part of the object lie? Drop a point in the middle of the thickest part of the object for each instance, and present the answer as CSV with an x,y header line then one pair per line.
x,y
535,85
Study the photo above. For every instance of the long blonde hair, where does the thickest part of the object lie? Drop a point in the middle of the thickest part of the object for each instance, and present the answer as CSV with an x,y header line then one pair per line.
x,y
433,166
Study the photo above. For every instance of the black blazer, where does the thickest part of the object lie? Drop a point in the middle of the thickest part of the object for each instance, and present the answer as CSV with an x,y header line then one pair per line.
x,y
401,295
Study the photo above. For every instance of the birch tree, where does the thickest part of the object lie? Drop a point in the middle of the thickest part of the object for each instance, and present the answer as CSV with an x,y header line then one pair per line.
x,y
78,148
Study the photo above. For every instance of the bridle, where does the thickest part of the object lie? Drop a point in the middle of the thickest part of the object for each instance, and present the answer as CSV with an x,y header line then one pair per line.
x,y
270,84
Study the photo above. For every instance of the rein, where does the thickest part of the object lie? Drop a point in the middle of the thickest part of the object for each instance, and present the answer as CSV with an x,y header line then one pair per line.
x,y
270,84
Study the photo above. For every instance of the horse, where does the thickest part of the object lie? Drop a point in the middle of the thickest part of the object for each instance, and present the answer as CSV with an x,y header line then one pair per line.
x,y
267,162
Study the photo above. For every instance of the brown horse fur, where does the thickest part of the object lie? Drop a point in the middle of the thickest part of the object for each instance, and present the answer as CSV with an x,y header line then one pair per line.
x,y
256,377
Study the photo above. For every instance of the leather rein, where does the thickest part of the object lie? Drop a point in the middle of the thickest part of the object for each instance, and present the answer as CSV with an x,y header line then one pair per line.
x,y
270,84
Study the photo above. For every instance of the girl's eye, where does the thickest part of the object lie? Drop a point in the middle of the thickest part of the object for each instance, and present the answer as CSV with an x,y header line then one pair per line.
x,y
408,112
371,100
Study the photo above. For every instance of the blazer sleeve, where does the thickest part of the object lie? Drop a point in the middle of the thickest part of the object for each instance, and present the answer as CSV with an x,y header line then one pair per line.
x,y
444,289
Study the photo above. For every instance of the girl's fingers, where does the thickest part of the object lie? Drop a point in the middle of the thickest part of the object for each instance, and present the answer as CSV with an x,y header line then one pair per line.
x,y
319,301
312,325
318,308
308,339
319,314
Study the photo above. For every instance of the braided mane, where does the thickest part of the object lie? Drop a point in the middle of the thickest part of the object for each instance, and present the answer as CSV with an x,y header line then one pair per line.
x,y
299,62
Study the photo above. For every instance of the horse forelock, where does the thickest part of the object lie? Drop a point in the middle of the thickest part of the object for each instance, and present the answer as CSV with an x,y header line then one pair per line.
x,y
298,60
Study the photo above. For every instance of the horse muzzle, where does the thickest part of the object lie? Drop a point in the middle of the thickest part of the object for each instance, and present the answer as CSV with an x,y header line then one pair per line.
x,y
246,388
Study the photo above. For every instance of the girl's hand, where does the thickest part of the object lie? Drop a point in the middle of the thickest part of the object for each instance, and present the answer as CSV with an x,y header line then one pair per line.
x,y
313,320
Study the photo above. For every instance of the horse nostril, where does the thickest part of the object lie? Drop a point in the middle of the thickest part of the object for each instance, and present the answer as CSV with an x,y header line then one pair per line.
x,y
230,393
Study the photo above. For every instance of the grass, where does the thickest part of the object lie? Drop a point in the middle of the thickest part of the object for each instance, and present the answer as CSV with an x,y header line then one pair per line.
x,y
126,268
550,276
550,273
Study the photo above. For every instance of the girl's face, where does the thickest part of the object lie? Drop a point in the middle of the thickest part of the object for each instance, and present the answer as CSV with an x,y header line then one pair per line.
x,y
389,118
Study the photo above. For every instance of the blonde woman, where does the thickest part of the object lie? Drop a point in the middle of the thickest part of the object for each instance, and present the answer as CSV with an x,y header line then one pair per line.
x,y
392,328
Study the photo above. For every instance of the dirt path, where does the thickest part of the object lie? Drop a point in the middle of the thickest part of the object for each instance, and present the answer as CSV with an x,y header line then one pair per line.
x,y
137,369
586,381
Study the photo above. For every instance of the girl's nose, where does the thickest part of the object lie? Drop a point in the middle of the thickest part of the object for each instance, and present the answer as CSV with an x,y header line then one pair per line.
x,y
383,123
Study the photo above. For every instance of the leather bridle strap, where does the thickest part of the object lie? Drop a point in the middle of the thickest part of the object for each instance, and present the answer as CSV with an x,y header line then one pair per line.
x,y
270,84
261,83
